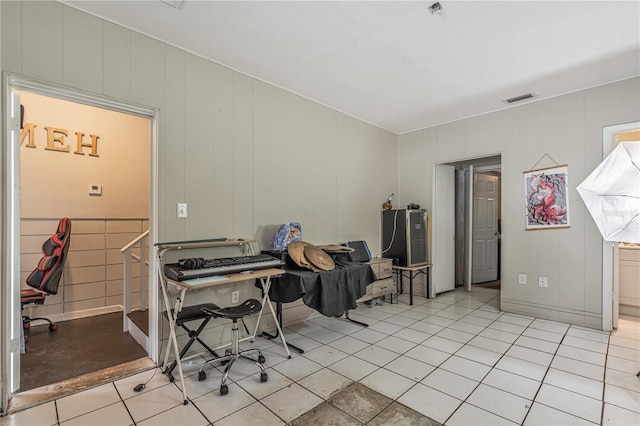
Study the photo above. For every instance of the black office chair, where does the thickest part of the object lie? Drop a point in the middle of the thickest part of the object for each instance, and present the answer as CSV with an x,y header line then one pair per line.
x,y
246,309
46,277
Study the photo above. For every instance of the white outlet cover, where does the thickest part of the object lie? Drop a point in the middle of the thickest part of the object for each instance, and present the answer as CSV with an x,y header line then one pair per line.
x,y
522,278
182,210
543,282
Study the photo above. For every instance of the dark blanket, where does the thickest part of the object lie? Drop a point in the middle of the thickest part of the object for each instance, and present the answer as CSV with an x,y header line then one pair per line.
x,y
328,292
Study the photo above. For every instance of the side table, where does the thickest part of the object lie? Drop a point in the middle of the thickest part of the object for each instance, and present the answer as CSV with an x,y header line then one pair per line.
x,y
412,272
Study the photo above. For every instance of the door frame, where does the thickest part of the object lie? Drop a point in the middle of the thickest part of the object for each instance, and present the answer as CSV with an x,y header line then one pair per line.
x,y
609,250
483,163
11,226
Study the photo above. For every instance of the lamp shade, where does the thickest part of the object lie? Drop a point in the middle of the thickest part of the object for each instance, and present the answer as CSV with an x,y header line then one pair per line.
x,y
612,194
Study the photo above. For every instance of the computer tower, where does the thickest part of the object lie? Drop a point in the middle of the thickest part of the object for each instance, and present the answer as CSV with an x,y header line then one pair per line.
x,y
404,236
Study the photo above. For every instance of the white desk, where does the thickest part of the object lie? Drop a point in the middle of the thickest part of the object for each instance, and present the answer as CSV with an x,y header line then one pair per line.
x,y
264,275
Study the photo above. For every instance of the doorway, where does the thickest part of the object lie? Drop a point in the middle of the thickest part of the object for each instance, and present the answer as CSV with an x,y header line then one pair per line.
x,y
79,302
466,224
620,263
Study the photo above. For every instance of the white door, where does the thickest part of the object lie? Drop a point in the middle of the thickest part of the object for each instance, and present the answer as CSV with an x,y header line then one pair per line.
x,y
443,229
485,228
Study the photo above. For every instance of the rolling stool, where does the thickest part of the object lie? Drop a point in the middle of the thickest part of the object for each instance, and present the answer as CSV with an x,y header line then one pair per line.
x,y
188,314
245,309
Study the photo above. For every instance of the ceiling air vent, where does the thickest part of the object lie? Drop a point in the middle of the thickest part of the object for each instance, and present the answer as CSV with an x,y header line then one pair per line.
x,y
519,98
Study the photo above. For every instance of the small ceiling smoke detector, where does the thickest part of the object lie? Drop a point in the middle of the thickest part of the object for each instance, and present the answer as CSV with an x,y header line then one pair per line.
x,y
519,98
436,8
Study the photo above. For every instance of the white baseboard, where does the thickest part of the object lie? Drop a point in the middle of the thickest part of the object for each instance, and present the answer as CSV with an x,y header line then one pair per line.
x,y
66,316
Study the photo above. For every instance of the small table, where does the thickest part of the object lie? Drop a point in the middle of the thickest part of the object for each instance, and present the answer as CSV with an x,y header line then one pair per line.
x,y
413,271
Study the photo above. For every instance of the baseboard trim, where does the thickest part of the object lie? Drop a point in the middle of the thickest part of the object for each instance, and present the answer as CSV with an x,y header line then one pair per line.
x,y
67,316
552,313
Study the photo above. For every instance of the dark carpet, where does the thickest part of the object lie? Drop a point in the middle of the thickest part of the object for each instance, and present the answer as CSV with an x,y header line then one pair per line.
x,y
77,347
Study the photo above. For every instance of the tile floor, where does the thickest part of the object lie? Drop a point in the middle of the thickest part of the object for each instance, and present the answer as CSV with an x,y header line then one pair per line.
x,y
455,360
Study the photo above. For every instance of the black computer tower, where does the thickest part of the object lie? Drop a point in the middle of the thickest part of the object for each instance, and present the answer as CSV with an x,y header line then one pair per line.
x,y
404,236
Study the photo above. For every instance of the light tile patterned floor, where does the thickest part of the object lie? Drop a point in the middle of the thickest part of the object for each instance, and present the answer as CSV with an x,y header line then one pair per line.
x,y
455,359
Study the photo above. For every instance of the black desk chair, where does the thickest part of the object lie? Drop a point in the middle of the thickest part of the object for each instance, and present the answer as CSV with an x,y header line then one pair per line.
x,y
246,309
45,278
186,315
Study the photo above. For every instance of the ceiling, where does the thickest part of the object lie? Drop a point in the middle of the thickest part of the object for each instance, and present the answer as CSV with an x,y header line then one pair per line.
x,y
395,64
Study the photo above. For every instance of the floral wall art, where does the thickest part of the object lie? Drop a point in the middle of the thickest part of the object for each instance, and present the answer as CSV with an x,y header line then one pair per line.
x,y
547,201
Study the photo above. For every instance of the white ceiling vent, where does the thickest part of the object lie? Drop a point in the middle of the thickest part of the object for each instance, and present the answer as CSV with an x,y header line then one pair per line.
x,y
519,98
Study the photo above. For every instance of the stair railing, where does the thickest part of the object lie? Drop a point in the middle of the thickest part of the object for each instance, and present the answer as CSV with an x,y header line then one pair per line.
x,y
129,257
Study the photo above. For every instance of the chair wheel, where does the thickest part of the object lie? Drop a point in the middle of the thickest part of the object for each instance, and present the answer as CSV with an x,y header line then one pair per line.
x,y
261,359
224,389
53,327
201,376
263,377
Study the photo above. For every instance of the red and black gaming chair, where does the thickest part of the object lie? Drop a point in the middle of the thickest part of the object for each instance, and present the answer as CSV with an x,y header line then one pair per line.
x,y
46,277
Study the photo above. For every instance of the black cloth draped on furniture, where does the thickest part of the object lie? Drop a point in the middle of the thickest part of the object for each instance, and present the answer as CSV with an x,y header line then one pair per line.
x,y
329,292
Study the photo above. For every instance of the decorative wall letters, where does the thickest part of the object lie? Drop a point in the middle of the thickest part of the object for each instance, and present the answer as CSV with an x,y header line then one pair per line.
x,y
56,140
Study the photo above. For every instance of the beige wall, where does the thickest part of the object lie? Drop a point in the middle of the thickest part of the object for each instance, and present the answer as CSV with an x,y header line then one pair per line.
x,y
55,183
244,155
569,129
92,278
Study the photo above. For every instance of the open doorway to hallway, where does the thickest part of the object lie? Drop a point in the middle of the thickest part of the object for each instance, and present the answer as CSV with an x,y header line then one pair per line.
x,y
468,205
93,165
620,261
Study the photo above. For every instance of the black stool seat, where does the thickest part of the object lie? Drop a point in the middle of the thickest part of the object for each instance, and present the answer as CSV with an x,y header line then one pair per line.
x,y
195,312
245,309
234,313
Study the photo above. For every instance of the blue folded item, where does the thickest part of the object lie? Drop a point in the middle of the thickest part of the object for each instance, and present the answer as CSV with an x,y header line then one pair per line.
x,y
285,235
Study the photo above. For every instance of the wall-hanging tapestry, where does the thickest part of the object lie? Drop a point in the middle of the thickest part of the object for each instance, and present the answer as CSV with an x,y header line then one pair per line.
x,y
547,199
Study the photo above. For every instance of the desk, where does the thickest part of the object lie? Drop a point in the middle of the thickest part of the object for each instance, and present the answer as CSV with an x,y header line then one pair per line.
x,y
263,275
413,271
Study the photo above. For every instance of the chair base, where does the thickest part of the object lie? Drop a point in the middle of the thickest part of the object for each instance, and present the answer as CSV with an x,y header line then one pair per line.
x,y
231,355
229,359
32,297
26,322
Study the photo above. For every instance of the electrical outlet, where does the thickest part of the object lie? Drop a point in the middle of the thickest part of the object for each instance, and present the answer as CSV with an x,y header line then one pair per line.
x,y
522,278
182,210
542,282
235,296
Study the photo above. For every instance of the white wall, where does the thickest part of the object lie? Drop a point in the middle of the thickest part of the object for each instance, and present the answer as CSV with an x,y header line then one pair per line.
x,y
569,129
244,155
92,282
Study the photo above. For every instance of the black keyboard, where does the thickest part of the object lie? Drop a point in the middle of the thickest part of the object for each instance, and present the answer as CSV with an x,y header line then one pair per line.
x,y
220,266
